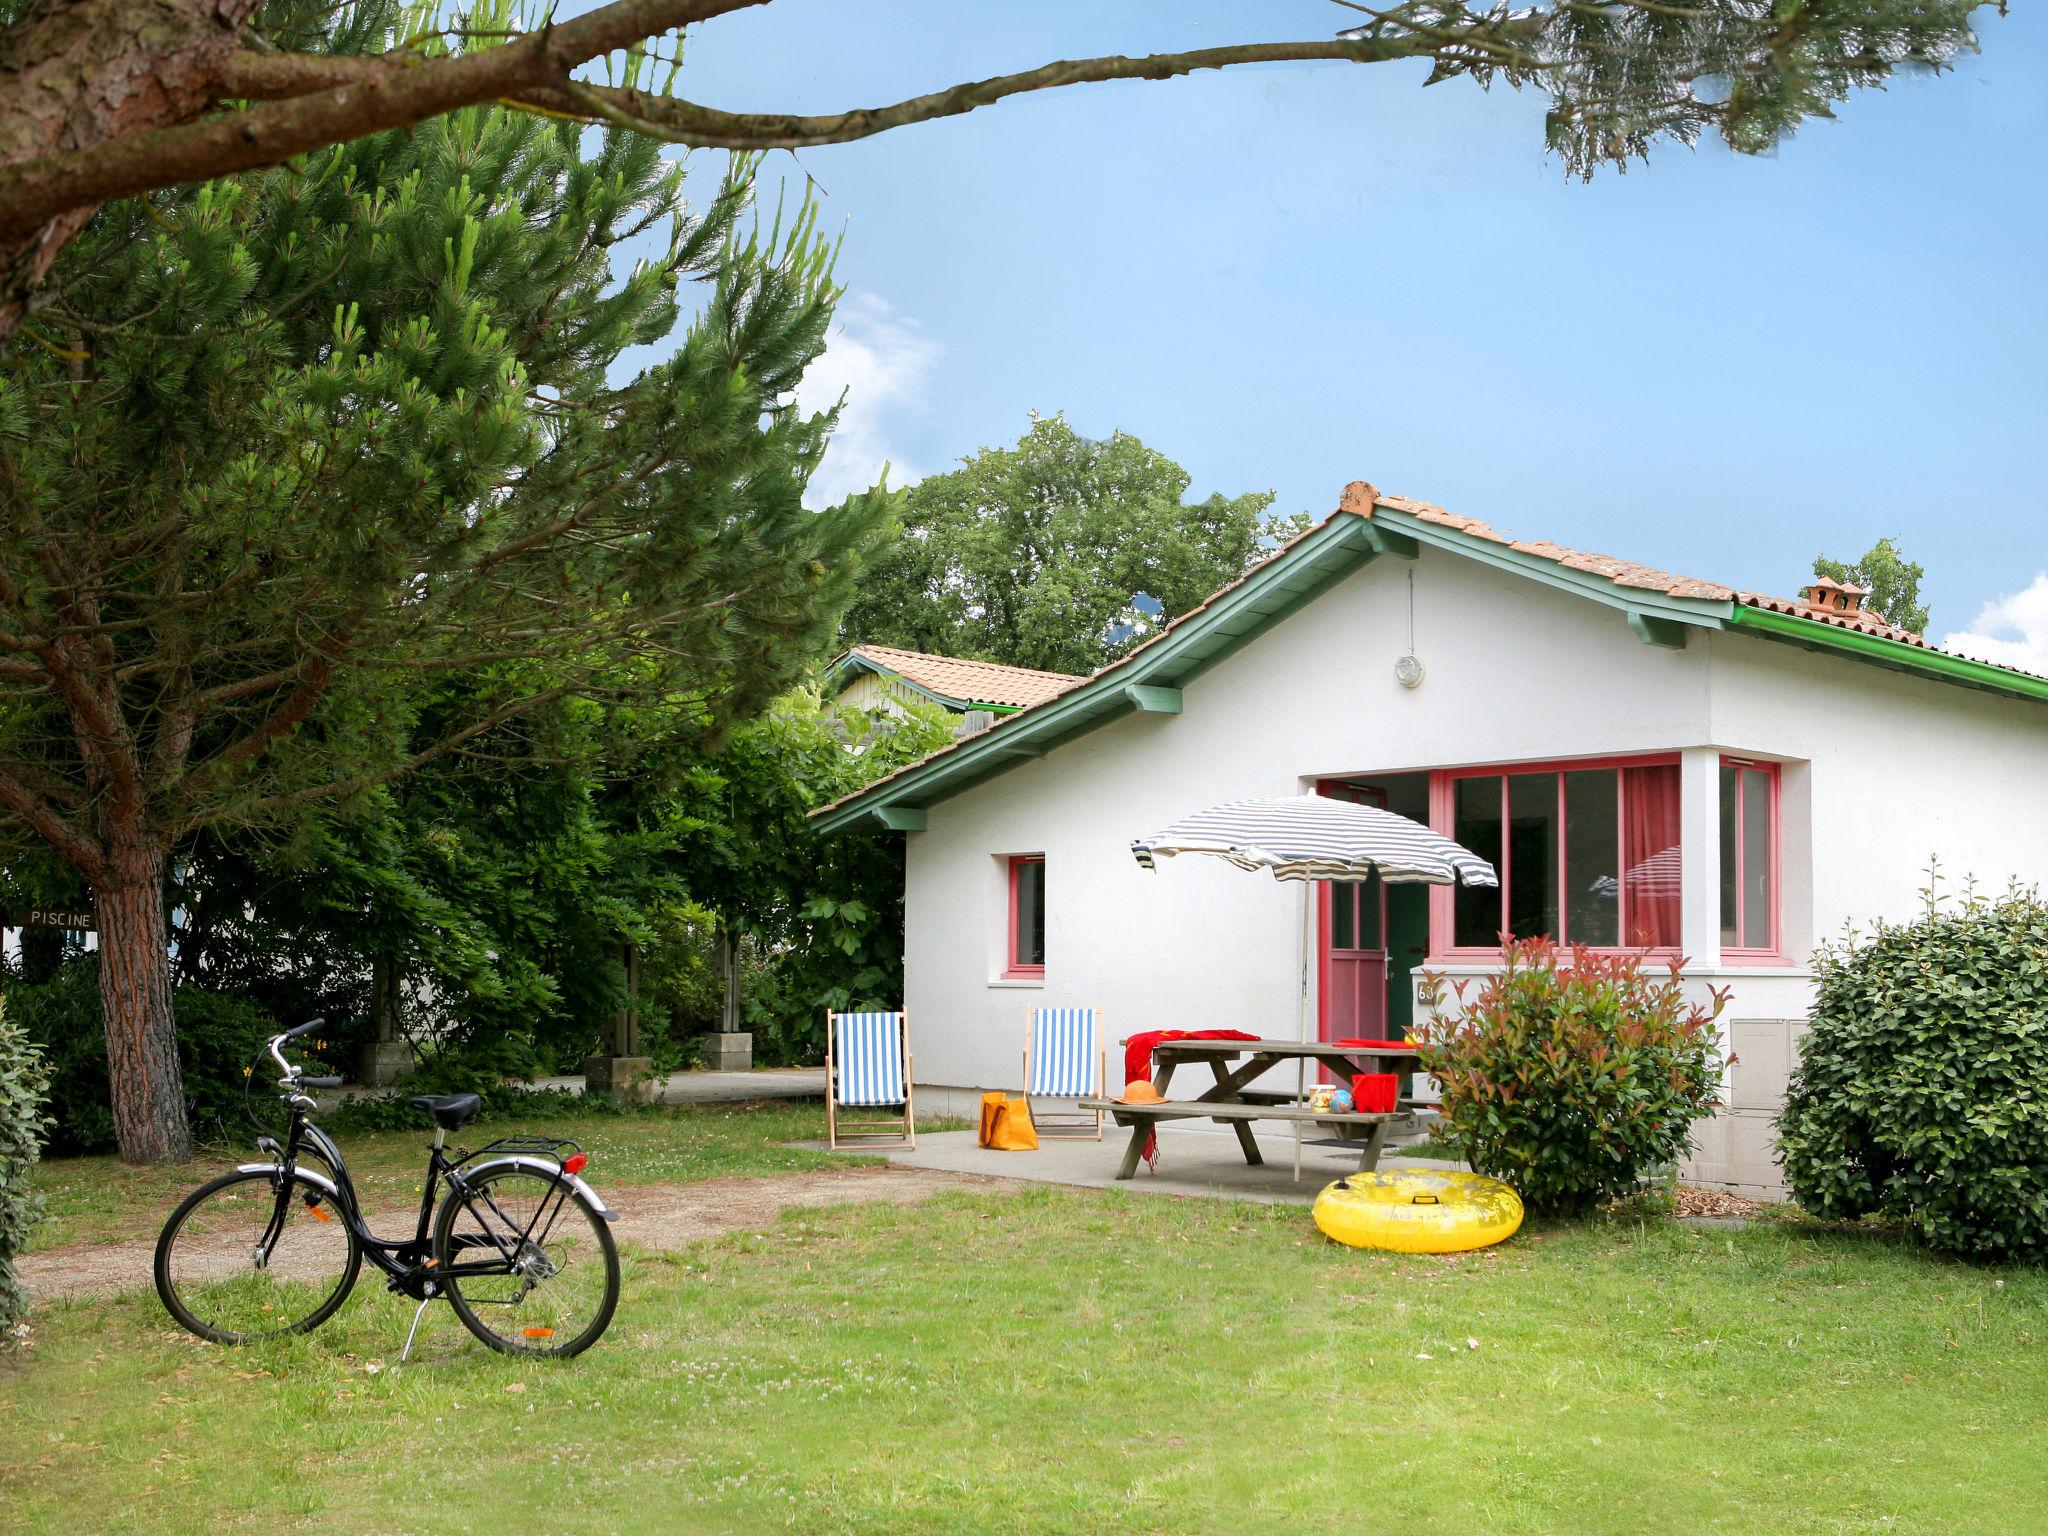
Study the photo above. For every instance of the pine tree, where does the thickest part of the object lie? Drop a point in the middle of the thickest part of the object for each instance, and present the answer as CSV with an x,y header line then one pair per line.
x,y
301,447
75,131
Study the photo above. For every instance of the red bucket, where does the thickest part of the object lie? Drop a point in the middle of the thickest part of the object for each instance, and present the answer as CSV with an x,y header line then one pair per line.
x,y
1374,1093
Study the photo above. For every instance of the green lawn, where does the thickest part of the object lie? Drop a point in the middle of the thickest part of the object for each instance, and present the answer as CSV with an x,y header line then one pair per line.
x,y
1054,1361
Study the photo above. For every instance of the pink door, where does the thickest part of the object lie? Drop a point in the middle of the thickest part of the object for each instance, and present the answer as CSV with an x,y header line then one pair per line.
x,y
1354,944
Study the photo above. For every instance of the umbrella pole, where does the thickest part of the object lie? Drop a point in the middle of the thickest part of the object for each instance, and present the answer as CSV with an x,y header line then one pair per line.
x,y
1301,1016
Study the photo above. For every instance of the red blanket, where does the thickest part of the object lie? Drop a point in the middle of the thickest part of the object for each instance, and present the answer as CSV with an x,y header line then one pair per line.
x,y
1138,1064
1138,1049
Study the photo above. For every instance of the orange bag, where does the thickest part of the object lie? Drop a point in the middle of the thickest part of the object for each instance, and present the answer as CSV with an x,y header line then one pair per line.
x,y
1006,1124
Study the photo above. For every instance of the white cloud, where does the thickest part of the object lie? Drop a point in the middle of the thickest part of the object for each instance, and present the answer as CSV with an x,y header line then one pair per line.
x,y
2012,630
882,362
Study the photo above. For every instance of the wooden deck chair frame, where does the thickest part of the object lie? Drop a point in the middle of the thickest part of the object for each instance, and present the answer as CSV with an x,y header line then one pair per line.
x,y
901,1127
1065,1122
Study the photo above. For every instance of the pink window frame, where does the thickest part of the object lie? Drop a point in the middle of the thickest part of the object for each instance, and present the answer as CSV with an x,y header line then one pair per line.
x,y
1012,969
1739,954
1442,818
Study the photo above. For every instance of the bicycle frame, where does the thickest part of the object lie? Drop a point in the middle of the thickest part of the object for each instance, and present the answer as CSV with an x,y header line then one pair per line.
x,y
406,1262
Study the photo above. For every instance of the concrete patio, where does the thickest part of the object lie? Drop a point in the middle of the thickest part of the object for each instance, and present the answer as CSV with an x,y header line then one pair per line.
x,y
1194,1160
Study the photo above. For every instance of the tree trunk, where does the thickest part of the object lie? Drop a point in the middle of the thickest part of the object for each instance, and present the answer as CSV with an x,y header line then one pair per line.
x,y
135,1000
75,74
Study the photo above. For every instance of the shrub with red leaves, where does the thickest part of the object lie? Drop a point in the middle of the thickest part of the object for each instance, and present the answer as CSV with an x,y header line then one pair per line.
x,y
1570,1075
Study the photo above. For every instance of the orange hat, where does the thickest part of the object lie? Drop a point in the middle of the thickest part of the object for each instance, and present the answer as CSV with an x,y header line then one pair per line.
x,y
1139,1090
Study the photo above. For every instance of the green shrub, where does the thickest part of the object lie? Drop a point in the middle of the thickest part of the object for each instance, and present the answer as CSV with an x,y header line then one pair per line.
x,y
24,1079
1570,1077
217,1036
1921,1093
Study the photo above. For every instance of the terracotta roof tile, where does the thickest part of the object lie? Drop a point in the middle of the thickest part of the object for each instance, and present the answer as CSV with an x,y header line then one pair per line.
x,y
1861,623
978,682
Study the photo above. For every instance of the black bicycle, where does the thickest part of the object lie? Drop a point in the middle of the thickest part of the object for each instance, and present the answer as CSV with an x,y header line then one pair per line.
x,y
521,1247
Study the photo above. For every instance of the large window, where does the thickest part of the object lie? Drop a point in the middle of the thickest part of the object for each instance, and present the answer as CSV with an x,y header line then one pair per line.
x,y
1749,857
1586,854
1026,955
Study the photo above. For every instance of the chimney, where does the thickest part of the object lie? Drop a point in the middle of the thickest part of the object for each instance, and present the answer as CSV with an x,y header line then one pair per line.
x,y
1826,598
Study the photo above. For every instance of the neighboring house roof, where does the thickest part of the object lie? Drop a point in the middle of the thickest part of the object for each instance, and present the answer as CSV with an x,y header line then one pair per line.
x,y
1660,607
956,682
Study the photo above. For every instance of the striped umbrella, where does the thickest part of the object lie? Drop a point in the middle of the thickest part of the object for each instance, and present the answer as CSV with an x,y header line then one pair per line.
x,y
1313,837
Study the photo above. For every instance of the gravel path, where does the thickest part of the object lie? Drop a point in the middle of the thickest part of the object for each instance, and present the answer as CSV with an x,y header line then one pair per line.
x,y
658,1216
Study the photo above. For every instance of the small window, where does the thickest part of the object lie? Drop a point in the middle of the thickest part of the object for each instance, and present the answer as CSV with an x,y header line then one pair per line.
x,y
1027,915
1749,857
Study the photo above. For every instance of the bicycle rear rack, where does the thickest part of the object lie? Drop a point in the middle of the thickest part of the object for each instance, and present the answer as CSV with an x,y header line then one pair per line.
x,y
557,1149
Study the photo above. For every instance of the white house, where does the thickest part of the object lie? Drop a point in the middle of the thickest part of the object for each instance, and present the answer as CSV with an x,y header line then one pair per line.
x,y
1649,759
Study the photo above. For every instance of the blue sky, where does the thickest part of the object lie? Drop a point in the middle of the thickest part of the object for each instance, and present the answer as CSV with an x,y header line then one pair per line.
x,y
1293,277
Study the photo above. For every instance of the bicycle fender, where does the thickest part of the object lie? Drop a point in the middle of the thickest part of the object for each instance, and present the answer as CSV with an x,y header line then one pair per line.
x,y
543,1165
319,1181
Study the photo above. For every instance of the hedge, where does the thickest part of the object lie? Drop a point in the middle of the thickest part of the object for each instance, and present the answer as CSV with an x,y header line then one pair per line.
x,y
1921,1094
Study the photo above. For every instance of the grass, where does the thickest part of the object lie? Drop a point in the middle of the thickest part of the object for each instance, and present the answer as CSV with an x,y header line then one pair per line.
x,y
100,1199
1053,1360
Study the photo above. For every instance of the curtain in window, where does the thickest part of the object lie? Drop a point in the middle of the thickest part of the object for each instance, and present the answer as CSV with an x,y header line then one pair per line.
x,y
1650,857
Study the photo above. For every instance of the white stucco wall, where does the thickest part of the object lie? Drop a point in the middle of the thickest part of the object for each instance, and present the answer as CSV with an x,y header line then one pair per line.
x,y
1882,769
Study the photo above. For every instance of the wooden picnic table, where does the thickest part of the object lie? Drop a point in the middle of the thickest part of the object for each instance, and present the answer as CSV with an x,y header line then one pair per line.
x,y
1230,1102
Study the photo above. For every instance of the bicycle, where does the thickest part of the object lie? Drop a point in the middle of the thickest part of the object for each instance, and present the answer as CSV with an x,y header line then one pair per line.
x,y
521,1247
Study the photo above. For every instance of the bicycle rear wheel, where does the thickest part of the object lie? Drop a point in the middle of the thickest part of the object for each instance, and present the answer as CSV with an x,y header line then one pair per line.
x,y
528,1264
241,1259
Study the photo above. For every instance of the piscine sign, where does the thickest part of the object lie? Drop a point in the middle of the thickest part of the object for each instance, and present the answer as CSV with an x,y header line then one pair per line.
x,y
75,920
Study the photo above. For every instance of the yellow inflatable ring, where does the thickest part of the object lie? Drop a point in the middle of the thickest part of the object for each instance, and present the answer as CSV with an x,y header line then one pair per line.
x,y
1418,1210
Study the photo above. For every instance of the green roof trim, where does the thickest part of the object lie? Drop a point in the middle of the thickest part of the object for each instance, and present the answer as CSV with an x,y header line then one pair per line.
x,y
1151,675
1895,654
1704,612
1226,623
1657,617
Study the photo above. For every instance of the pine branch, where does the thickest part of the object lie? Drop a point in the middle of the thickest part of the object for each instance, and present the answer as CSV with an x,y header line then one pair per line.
x,y
36,812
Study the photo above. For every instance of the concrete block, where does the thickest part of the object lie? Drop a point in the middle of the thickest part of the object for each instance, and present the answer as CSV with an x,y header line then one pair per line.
x,y
1736,1150
623,1077
729,1052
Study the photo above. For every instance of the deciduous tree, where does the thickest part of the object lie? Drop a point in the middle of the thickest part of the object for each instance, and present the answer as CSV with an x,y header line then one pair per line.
x,y
1061,552
1893,582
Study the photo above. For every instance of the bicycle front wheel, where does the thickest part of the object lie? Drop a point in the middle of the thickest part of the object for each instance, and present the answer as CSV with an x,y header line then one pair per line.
x,y
528,1264
243,1258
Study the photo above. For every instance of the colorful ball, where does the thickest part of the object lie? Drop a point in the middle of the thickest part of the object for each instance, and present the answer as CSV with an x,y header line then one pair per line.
x,y
1340,1101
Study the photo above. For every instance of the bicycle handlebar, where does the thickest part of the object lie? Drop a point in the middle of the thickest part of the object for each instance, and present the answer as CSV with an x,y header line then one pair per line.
x,y
321,1082
277,1042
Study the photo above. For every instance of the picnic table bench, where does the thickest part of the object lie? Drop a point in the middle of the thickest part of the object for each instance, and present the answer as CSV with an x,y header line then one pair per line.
x,y
1229,1102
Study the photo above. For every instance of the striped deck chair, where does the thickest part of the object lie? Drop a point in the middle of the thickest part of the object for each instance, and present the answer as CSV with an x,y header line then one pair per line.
x,y
1063,1059
867,1066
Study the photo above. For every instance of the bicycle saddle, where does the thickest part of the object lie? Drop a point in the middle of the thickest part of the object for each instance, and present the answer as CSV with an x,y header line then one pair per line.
x,y
451,1111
